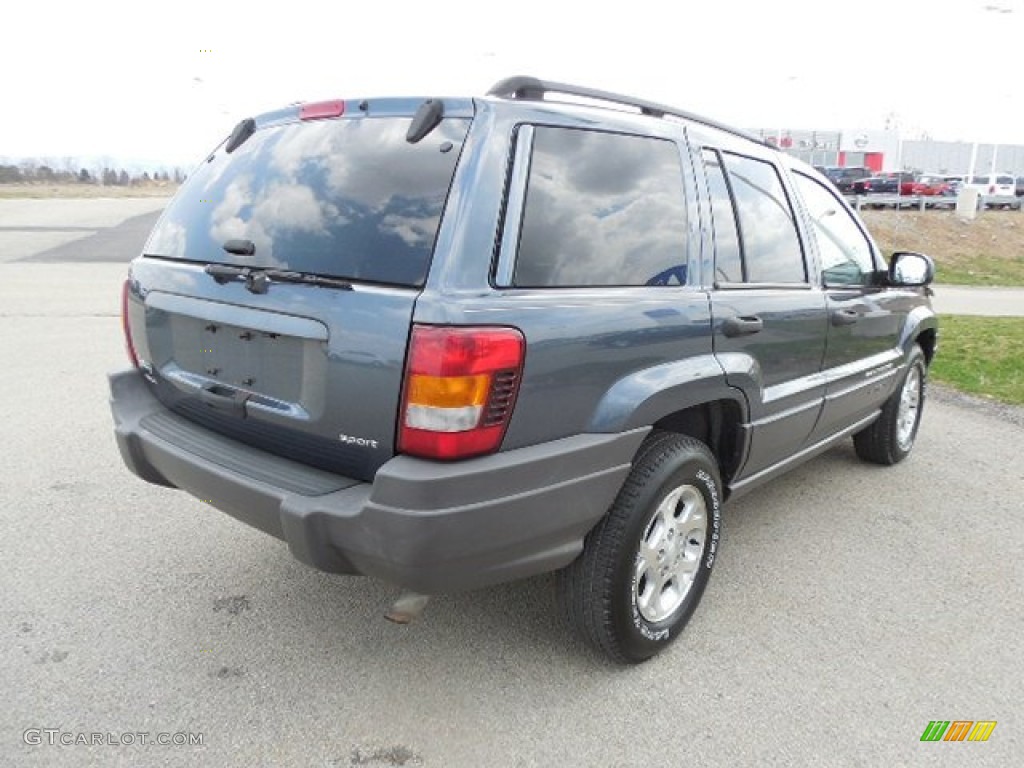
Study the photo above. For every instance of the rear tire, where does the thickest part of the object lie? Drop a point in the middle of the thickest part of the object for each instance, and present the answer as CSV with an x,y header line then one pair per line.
x,y
644,567
890,438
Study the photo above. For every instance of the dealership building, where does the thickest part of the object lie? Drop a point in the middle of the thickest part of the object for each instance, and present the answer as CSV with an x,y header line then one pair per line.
x,y
886,151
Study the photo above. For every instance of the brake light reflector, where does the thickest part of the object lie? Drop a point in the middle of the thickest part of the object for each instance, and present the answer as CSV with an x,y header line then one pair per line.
x,y
460,388
129,345
318,110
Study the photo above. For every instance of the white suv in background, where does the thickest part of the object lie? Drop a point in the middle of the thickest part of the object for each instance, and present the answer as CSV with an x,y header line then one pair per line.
x,y
996,189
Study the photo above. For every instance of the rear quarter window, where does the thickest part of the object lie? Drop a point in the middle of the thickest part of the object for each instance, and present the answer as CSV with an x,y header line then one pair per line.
x,y
602,209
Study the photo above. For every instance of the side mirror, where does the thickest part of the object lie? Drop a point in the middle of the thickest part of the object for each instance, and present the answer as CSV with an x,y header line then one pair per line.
x,y
910,269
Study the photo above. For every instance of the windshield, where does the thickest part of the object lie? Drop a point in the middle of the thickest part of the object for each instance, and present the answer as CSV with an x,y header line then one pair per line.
x,y
346,198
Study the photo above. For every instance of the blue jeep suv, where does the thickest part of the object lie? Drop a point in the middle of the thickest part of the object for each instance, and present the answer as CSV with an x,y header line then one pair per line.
x,y
451,342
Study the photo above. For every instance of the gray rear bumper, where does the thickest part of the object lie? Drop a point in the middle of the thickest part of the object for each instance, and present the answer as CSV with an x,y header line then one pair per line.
x,y
427,526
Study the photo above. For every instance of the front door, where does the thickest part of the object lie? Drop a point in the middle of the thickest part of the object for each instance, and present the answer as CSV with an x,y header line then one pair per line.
x,y
862,354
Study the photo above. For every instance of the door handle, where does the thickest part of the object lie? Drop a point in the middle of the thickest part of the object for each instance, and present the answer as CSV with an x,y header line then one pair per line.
x,y
742,326
224,398
845,317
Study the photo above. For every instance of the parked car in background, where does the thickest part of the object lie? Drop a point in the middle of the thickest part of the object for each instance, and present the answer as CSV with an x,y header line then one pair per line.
x,y
994,184
932,185
891,183
1019,187
955,183
844,177
995,189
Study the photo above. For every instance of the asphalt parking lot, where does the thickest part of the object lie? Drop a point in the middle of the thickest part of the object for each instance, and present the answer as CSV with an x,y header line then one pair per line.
x,y
850,606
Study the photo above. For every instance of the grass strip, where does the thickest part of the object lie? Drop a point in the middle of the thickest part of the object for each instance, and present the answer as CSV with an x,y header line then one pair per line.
x,y
982,355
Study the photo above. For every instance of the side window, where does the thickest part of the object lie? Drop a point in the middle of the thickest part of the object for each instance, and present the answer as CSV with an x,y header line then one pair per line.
x,y
771,245
728,265
845,251
602,209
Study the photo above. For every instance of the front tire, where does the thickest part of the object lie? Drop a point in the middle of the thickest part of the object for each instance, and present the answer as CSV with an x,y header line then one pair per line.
x,y
644,567
891,436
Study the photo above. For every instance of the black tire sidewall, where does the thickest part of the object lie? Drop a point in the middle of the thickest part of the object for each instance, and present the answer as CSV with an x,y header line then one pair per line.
x,y
639,638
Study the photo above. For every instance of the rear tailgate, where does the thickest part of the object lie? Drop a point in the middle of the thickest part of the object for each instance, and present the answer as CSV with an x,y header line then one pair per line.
x,y
311,372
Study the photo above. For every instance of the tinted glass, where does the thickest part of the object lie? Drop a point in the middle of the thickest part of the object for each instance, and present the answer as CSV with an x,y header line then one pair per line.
x,y
348,198
728,265
845,253
602,209
771,246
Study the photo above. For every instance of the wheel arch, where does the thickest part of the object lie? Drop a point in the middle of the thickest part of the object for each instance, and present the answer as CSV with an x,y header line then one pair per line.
x,y
922,327
717,424
688,397
928,340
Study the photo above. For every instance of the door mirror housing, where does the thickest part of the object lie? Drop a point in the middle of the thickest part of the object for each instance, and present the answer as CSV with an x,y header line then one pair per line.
x,y
911,269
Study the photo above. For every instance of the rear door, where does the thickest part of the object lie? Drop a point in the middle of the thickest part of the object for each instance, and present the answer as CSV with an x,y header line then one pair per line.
x,y
309,371
769,320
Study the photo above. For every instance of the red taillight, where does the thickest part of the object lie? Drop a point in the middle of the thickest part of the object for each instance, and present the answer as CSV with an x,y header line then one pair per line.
x,y
129,345
992,189
317,110
460,388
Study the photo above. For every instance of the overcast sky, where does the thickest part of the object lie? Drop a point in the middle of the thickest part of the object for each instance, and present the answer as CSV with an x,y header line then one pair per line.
x,y
164,82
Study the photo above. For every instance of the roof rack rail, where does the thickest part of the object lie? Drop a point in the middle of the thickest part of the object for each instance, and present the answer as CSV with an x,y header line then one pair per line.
x,y
533,89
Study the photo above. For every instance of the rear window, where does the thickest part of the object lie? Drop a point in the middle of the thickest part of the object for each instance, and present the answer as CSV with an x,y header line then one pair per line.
x,y
346,198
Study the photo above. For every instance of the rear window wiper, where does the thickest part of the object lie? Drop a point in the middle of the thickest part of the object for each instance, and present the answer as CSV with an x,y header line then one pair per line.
x,y
259,280
308,278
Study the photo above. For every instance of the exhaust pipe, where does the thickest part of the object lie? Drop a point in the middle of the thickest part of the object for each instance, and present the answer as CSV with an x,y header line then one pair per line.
x,y
407,608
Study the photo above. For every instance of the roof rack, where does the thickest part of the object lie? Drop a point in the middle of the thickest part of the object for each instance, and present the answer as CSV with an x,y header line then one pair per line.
x,y
533,89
